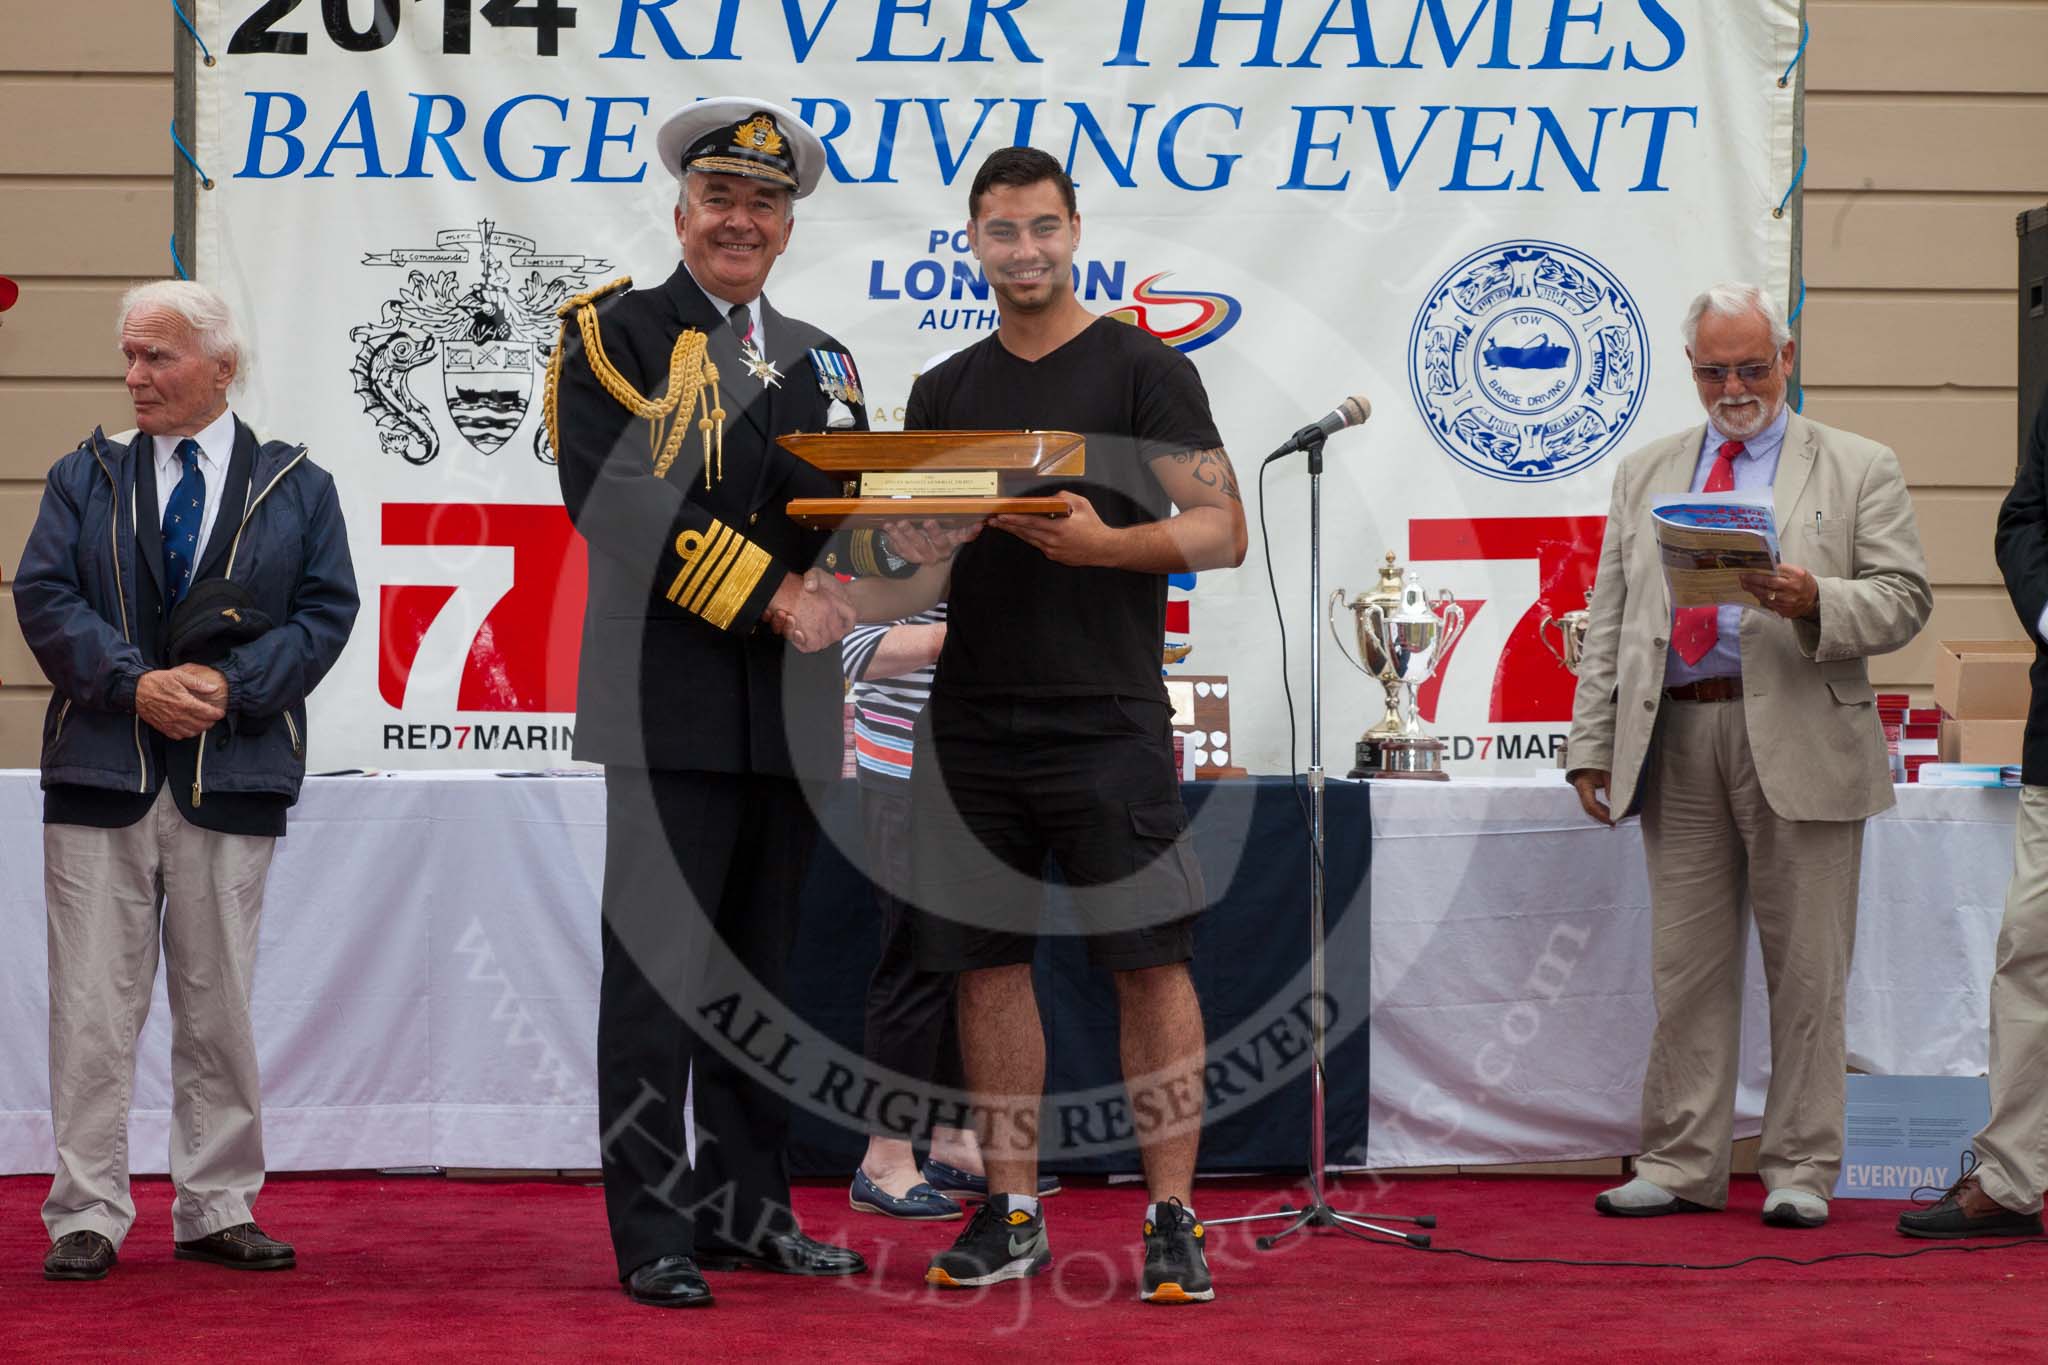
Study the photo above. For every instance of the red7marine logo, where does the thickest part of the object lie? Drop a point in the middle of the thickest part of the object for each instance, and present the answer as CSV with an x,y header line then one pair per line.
x,y
1529,684
524,655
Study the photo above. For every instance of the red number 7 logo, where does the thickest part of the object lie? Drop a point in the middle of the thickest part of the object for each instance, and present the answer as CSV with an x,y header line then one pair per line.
x,y
523,657
1529,684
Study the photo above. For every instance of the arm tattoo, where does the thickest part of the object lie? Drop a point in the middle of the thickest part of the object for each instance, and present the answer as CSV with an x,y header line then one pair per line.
x,y
1211,467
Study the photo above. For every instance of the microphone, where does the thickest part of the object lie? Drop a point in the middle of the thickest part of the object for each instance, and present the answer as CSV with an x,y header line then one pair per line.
x,y
1348,413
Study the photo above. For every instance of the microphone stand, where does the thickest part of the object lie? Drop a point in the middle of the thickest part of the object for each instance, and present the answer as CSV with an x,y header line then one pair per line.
x,y
1320,1213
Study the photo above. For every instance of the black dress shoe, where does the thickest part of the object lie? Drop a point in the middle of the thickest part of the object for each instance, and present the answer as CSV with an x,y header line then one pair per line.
x,y
79,1256
1966,1211
241,1247
669,1282
788,1253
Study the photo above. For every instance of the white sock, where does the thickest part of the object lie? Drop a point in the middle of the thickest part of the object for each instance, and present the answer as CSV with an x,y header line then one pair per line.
x,y
1152,1213
1013,1202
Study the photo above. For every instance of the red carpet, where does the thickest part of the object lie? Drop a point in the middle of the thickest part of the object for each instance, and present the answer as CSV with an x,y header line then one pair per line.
x,y
409,1268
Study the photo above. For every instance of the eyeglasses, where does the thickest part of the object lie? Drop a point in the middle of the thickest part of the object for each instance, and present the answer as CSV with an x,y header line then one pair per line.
x,y
1749,374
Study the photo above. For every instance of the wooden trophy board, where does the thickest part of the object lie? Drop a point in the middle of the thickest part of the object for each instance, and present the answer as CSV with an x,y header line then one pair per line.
x,y
992,464
1201,722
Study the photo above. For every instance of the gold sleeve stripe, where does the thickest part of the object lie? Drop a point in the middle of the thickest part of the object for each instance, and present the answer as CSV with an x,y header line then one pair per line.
x,y
699,565
721,569
700,593
860,550
689,545
739,585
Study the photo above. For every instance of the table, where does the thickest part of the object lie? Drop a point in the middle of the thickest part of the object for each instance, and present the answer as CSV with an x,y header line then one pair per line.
x,y
1512,1011
426,991
427,986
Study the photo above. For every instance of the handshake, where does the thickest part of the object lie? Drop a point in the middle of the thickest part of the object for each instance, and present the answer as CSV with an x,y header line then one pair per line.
x,y
815,611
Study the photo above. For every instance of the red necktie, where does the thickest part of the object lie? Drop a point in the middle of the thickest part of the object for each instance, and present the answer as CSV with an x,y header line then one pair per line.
x,y
1695,629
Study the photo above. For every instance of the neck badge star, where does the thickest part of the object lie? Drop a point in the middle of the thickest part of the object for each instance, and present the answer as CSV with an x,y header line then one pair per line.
x,y
760,366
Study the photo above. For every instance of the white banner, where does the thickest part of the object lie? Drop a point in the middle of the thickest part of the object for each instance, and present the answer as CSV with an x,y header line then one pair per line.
x,y
1485,216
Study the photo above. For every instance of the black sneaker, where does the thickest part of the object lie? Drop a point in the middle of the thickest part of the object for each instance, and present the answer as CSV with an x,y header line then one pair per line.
x,y
1176,1270
992,1248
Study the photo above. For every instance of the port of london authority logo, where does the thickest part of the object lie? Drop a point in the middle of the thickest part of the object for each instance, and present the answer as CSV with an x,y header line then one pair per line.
x,y
493,336
1528,361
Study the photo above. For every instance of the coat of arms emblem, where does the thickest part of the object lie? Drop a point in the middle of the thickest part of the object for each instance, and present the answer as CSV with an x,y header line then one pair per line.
x,y
493,336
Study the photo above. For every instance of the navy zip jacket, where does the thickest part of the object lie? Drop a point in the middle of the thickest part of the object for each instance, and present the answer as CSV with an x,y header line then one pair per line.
x,y
81,600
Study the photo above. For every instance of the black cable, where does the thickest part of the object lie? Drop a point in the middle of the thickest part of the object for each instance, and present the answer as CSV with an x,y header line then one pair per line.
x,y
1286,687
1722,1265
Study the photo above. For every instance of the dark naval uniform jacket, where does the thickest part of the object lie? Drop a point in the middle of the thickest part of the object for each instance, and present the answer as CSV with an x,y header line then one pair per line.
x,y
680,671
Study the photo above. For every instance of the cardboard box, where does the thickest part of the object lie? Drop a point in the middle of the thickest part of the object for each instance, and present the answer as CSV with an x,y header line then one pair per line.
x,y
1981,741
1903,1132
1984,679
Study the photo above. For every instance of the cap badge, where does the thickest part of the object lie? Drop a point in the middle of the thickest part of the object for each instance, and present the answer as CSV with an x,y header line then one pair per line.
x,y
758,134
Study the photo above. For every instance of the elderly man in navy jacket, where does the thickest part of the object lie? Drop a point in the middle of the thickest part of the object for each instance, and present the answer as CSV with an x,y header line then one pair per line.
x,y
184,588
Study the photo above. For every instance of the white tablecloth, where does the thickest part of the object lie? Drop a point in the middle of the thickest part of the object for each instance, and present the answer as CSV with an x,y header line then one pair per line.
x,y
426,994
1511,961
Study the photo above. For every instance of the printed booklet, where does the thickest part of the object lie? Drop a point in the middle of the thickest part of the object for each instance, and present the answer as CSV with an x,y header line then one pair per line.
x,y
1709,540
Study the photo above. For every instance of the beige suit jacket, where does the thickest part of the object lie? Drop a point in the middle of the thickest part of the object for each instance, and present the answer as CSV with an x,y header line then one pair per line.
x,y
1843,515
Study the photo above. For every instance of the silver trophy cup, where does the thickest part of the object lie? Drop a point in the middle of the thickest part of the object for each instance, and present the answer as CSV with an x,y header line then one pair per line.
x,y
1416,636
1570,647
1571,634
1371,659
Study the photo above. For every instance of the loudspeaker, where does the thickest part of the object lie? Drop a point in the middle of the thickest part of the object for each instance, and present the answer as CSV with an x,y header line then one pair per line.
x,y
2033,233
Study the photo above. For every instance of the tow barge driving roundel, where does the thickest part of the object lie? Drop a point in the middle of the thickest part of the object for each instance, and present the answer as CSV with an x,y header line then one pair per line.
x,y
1528,361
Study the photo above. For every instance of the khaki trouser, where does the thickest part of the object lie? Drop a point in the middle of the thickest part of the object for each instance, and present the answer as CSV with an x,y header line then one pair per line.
x,y
112,895
2013,1148
1713,843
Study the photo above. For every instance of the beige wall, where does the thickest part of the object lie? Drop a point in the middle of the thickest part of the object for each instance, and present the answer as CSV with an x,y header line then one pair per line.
x,y
85,211
1928,130
1927,124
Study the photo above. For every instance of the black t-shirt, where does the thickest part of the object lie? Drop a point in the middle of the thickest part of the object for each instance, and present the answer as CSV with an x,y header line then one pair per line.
x,y
1019,624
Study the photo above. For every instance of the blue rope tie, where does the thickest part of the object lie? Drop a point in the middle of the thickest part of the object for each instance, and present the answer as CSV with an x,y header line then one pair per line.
x,y
1805,32
179,10
1797,176
205,180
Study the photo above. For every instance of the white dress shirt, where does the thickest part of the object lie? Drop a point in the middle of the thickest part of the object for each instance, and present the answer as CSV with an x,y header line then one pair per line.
x,y
725,307
216,447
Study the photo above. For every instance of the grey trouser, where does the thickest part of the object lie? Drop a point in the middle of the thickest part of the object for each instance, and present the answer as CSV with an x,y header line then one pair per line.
x,y
112,896
1715,848
2013,1148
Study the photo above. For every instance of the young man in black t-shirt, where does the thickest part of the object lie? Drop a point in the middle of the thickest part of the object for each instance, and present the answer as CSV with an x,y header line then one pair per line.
x,y
1049,730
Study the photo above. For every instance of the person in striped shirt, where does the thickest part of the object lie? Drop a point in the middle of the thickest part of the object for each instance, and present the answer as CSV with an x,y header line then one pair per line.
x,y
910,1023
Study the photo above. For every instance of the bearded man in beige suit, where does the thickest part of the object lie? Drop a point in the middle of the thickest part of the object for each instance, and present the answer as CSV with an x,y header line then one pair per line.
x,y
1748,739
